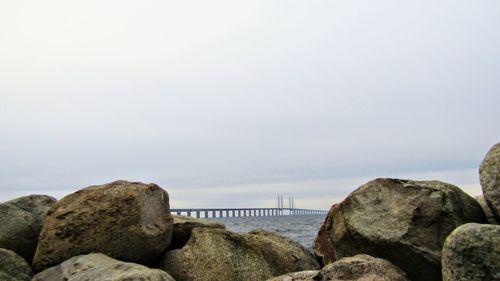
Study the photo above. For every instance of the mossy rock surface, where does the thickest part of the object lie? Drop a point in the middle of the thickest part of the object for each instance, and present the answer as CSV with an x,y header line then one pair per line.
x,y
489,174
218,254
184,225
472,253
402,221
13,267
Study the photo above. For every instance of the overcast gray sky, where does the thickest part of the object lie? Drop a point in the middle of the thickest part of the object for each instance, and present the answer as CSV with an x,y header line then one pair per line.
x,y
230,103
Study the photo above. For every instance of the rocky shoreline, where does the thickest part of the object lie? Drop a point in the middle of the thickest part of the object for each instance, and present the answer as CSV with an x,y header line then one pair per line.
x,y
387,229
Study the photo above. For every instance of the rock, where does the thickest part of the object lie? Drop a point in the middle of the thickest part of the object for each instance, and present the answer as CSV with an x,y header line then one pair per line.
x,y
322,245
13,267
21,223
100,267
183,225
218,254
362,267
489,174
472,253
306,275
129,221
359,267
486,209
402,221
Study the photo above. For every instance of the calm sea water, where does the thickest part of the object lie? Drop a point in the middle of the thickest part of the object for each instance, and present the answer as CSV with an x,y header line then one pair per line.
x,y
302,229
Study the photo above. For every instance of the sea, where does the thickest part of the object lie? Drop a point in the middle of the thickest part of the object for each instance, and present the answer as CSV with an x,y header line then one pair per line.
x,y
302,229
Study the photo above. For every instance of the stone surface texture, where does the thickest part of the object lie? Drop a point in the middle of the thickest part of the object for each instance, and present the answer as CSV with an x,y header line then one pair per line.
x,y
99,267
183,226
13,267
402,221
306,275
218,254
21,221
357,268
489,175
362,267
486,209
472,253
128,221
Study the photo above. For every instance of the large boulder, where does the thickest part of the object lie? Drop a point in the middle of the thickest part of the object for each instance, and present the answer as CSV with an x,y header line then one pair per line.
x,y
13,267
218,254
129,221
21,222
100,267
472,253
184,225
359,267
322,245
486,209
489,174
402,221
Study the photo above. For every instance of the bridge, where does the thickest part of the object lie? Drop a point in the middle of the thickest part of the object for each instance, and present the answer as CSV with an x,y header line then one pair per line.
x,y
246,212
249,212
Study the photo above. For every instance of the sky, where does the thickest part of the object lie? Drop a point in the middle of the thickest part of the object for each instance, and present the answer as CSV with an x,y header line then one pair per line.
x,y
231,103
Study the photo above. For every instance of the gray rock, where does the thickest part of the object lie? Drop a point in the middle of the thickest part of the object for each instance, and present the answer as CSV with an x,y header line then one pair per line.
x,y
21,223
183,226
13,267
359,267
125,220
218,254
402,221
486,209
100,267
472,253
489,174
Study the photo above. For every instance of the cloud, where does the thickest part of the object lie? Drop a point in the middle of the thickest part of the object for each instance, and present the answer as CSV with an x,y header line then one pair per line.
x,y
241,94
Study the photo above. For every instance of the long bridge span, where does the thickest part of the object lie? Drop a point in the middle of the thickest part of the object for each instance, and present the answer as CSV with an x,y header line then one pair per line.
x,y
246,212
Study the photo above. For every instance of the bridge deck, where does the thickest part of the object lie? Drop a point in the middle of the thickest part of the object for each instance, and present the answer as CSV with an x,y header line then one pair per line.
x,y
246,212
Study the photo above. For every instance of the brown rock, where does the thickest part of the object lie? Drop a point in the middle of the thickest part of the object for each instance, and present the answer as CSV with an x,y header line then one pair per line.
x,y
322,247
129,221
402,221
